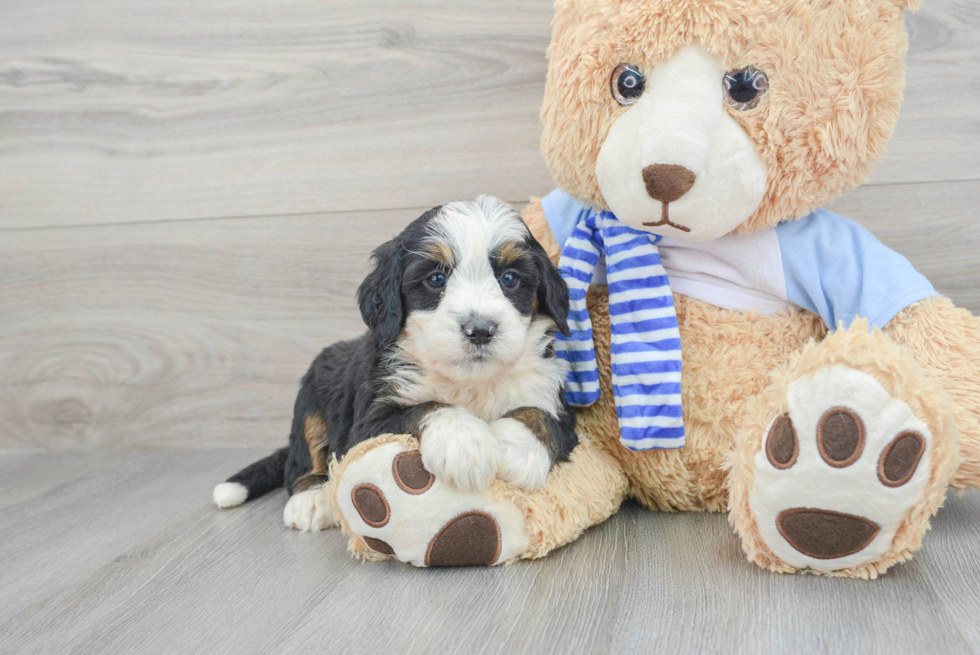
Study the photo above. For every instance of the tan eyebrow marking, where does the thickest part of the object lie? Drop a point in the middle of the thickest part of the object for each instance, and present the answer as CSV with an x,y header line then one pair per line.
x,y
510,252
439,251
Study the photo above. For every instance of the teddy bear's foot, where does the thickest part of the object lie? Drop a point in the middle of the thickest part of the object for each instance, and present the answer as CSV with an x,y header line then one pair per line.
x,y
397,508
391,507
844,478
839,471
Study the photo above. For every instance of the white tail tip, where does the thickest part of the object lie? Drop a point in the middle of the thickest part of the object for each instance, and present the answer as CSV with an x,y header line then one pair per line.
x,y
230,494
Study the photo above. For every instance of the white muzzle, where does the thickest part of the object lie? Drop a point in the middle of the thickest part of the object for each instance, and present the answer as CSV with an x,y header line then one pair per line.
x,y
676,163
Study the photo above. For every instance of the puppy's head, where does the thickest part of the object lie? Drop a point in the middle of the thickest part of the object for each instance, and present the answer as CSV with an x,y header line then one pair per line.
x,y
460,289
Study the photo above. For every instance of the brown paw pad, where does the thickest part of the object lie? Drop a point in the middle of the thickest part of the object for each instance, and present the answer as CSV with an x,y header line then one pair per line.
x,y
370,503
900,459
782,445
823,534
410,474
470,539
379,546
840,437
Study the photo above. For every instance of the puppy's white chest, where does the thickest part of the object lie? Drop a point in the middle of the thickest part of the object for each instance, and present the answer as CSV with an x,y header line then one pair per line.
x,y
536,384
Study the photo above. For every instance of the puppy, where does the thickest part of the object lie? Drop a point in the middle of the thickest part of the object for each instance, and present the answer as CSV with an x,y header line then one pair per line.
x,y
461,307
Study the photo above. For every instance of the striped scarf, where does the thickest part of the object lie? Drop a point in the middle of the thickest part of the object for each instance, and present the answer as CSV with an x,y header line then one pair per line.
x,y
646,345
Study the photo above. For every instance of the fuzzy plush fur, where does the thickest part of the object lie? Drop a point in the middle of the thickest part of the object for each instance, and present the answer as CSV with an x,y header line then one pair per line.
x,y
893,367
737,367
836,69
836,75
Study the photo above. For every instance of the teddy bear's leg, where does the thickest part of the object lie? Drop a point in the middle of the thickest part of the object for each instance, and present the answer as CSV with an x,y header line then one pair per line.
x,y
393,508
945,341
841,462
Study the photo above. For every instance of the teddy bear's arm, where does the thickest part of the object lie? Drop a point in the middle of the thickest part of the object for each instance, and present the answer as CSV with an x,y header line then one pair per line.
x,y
945,340
536,221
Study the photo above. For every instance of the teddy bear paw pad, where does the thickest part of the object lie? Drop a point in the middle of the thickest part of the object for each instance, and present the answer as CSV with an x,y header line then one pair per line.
x,y
400,509
839,472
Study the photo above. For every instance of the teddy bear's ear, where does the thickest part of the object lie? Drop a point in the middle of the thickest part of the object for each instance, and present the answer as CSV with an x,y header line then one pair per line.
x,y
571,16
568,14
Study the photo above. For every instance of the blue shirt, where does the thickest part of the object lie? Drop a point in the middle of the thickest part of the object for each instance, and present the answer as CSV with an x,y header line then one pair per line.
x,y
824,263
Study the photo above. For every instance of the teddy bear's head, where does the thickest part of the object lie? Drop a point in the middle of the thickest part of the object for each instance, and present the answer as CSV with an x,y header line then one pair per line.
x,y
694,118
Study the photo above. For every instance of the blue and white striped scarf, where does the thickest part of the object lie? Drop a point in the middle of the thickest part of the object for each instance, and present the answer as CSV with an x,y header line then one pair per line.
x,y
646,344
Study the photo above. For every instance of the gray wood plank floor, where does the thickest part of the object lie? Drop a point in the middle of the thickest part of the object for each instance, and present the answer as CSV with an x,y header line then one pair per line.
x,y
188,195
121,552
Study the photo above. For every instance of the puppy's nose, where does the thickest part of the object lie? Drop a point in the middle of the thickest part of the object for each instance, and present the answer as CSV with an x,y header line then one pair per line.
x,y
668,182
479,332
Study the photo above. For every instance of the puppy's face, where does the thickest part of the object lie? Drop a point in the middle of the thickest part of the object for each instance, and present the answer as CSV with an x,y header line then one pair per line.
x,y
464,282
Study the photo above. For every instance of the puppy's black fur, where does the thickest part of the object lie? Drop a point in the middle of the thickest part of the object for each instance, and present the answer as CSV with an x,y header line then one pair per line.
x,y
344,399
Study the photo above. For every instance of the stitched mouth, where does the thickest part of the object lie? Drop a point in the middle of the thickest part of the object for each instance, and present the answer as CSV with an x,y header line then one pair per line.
x,y
665,220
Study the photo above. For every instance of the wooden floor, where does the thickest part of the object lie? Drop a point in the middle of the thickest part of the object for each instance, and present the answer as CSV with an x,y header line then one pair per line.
x,y
121,552
188,194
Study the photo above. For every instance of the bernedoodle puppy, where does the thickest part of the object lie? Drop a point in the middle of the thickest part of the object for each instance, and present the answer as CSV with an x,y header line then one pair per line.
x,y
462,307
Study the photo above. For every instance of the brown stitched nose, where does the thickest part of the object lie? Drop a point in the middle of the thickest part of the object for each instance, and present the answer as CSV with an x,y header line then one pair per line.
x,y
667,182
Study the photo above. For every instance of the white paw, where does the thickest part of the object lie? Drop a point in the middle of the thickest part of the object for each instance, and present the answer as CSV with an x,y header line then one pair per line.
x,y
459,448
398,508
524,460
308,511
229,494
839,472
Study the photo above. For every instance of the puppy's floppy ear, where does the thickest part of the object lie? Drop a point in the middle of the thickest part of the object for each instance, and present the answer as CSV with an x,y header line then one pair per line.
x,y
552,292
380,294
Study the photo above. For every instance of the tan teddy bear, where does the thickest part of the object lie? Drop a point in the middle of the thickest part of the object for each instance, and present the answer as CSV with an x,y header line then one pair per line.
x,y
829,395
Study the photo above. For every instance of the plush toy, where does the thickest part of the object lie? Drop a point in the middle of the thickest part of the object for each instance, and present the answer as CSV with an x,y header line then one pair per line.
x,y
829,395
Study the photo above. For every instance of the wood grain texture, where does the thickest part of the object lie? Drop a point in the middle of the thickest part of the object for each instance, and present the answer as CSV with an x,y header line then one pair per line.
x,y
142,110
145,110
150,335
137,310
196,333
121,552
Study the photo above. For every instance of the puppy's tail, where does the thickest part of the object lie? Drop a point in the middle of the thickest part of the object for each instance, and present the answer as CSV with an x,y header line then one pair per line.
x,y
253,481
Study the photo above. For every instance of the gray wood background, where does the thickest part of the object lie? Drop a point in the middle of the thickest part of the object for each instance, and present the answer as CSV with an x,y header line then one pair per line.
x,y
189,190
188,194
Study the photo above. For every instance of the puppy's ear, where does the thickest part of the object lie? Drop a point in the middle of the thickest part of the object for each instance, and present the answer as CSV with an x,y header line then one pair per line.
x,y
380,294
552,292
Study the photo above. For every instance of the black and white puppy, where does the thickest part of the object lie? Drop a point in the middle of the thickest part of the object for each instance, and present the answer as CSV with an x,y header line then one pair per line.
x,y
462,307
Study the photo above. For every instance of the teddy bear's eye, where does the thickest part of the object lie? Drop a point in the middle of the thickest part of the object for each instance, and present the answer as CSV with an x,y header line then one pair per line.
x,y
745,87
627,84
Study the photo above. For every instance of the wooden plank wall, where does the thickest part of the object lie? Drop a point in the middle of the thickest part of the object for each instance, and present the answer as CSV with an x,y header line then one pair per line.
x,y
189,190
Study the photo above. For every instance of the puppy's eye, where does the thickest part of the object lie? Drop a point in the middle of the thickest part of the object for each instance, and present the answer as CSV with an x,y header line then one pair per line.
x,y
745,87
509,281
436,281
627,84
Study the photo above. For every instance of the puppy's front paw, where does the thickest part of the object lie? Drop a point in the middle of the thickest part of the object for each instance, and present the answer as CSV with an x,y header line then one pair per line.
x,y
524,460
460,449
308,511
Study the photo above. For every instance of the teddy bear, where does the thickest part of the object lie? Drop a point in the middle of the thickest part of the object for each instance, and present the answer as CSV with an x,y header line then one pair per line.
x,y
748,352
